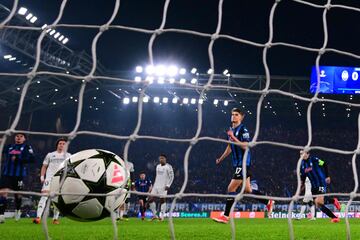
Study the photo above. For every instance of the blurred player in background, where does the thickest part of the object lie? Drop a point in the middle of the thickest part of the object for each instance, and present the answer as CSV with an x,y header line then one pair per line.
x,y
316,170
163,180
307,201
143,185
15,162
239,135
50,165
122,213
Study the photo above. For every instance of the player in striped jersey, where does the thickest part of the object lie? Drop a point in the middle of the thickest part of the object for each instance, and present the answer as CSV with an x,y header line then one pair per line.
x,y
143,185
16,161
239,135
316,170
51,164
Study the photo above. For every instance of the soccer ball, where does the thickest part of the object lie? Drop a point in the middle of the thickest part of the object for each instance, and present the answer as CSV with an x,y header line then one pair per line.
x,y
90,171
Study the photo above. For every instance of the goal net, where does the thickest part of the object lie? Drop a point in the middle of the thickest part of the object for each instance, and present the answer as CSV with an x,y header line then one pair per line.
x,y
58,92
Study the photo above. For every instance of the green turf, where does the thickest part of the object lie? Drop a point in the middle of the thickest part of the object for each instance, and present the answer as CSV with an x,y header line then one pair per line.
x,y
185,229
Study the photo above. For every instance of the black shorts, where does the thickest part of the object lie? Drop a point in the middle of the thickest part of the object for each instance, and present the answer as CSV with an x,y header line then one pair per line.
x,y
13,183
142,197
318,190
238,173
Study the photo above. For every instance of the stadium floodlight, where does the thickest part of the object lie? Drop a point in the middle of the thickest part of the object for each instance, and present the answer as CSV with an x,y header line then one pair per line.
x,y
171,80
137,79
160,70
56,90
226,102
175,100
193,81
150,69
201,101
48,30
193,101
56,35
185,101
216,101
172,71
161,80
135,99
65,40
182,81
37,96
126,100
165,100
33,19
29,16
44,26
61,38
12,59
156,99
22,11
182,71
210,71
150,79
145,99
52,32
54,103
7,56
225,72
193,70
139,69
18,89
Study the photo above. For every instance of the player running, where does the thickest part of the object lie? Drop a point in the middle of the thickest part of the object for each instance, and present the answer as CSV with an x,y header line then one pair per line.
x,y
307,201
316,170
143,185
50,165
239,134
16,161
163,180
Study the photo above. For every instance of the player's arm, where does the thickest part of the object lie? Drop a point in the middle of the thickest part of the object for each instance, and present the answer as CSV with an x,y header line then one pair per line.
x,y
170,173
224,155
302,180
44,167
324,165
243,144
150,186
30,155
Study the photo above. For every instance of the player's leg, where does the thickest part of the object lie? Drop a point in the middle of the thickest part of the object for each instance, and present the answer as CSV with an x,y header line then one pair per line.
x,y
152,204
319,201
42,202
18,186
141,206
312,210
3,203
56,216
302,209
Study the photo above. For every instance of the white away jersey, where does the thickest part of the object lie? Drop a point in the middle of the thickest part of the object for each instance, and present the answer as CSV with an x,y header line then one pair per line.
x,y
164,176
53,161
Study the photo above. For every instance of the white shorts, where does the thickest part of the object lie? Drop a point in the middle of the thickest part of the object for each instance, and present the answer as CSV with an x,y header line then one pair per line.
x,y
159,191
46,185
307,198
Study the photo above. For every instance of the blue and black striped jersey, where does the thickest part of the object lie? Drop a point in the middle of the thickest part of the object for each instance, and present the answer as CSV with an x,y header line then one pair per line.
x,y
143,185
316,170
16,159
237,153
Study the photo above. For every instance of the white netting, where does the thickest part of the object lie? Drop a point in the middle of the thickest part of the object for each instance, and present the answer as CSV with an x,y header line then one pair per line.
x,y
208,86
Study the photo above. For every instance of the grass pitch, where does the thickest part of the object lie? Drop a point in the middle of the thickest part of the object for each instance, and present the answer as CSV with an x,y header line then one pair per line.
x,y
184,229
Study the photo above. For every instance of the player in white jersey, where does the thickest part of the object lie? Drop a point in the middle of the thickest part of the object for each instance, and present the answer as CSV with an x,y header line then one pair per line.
x,y
51,164
163,180
122,212
307,201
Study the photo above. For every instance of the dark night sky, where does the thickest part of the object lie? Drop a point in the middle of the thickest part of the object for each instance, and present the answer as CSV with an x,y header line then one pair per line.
x,y
293,23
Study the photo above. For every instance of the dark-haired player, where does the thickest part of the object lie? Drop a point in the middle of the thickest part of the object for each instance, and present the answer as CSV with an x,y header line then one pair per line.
x,y
316,170
51,164
239,135
143,185
17,156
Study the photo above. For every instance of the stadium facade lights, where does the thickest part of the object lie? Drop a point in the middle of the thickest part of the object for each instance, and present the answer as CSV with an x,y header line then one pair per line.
x,y
171,80
161,80
216,101
7,56
22,11
165,100
185,100
44,26
56,35
193,101
225,72
172,71
48,30
61,38
201,101
175,100
145,99
126,100
156,99
193,70
160,70
182,81
71,97
137,79
56,90
29,16
37,96
135,99
12,59
210,71
226,102
38,82
52,32
139,69
150,69
18,89
33,19
194,81
65,41
182,71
